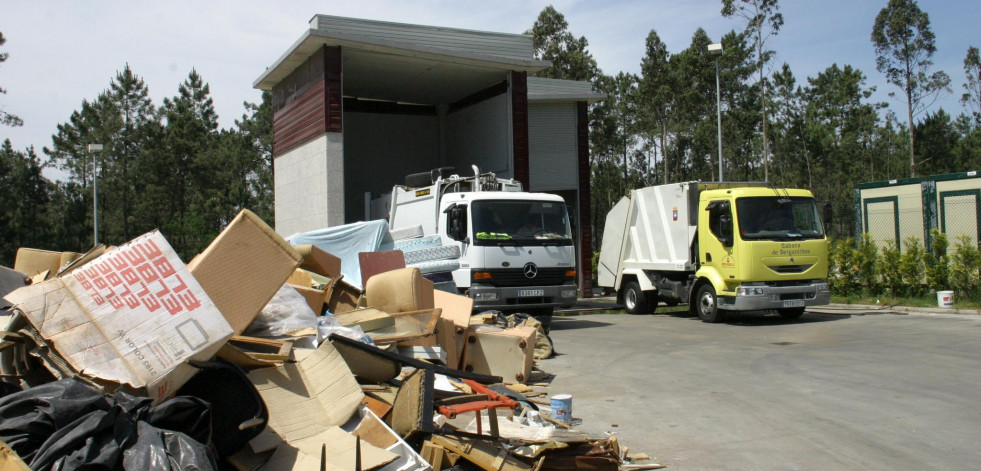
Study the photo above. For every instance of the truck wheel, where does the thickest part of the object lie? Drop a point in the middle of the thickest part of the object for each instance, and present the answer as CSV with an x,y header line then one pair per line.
x,y
707,304
636,301
791,312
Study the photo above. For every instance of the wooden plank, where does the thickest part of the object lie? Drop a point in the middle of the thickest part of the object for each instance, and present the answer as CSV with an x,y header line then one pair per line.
x,y
486,454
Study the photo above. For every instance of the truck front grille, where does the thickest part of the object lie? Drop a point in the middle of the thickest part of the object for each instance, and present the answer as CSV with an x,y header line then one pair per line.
x,y
505,277
790,268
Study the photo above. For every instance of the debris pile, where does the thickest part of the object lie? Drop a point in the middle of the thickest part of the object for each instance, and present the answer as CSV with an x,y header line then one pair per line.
x,y
335,352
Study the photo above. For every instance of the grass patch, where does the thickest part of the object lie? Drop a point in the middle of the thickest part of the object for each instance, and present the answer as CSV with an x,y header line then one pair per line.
x,y
925,301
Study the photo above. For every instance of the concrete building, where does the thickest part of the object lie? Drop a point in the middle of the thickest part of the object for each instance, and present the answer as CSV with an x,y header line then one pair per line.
x,y
359,104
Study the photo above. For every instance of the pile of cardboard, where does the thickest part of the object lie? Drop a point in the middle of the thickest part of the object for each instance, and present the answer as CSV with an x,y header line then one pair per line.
x,y
418,387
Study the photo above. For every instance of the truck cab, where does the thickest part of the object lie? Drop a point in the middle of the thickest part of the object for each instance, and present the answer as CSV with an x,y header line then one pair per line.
x,y
760,249
517,250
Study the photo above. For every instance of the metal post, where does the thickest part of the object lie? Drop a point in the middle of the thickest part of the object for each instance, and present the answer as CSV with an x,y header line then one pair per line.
x,y
94,149
718,109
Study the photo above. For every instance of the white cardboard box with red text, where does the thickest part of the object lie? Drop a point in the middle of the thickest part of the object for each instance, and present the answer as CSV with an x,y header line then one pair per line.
x,y
134,316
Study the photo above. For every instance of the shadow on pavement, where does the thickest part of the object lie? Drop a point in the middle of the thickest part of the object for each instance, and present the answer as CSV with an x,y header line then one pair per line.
x,y
766,319
569,323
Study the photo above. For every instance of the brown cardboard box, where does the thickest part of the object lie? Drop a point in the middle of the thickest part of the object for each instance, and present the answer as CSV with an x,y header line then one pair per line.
x,y
319,261
343,297
316,298
508,353
451,330
244,267
134,316
34,261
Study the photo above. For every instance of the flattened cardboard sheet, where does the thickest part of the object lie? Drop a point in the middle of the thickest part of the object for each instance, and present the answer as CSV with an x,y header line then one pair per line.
x,y
134,316
307,398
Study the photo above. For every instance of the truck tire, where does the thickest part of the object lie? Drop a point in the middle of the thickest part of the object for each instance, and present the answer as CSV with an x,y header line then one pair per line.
x,y
418,180
636,301
791,312
707,305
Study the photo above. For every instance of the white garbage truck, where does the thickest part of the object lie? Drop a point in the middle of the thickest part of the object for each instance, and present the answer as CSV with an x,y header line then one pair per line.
x,y
516,248
720,247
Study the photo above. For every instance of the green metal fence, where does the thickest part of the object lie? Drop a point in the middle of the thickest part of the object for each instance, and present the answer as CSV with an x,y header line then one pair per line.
x,y
897,210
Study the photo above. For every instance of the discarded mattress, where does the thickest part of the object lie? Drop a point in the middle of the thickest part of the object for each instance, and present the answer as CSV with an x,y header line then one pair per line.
x,y
436,266
410,232
443,252
346,242
409,245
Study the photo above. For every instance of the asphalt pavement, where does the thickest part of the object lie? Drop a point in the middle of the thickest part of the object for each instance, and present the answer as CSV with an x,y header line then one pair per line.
x,y
867,388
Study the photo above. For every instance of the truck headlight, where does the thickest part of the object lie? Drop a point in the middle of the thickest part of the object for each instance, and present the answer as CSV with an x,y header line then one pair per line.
x,y
568,293
749,291
485,297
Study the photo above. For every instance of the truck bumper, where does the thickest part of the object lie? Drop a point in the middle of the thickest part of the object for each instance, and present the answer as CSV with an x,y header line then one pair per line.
x,y
762,297
524,297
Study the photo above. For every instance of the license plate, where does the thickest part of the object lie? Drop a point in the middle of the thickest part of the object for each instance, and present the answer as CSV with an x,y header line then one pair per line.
x,y
793,303
531,292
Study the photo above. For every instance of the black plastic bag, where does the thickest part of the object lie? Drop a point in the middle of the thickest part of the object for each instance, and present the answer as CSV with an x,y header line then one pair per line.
x,y
69,425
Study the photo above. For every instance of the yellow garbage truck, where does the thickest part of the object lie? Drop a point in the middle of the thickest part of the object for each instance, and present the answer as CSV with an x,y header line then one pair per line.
x,y
720,247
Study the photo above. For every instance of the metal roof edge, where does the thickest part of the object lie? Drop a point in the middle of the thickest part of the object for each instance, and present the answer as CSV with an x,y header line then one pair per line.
x,y
392,47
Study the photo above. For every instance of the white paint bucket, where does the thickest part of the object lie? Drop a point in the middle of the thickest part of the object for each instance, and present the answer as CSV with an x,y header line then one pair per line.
x,y
562,407
945,298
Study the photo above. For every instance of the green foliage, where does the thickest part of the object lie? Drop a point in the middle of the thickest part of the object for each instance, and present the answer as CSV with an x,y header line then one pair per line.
x,y
937,261
5,117
843,274
887,267
553,42
911,267
904,44
867,260
965,268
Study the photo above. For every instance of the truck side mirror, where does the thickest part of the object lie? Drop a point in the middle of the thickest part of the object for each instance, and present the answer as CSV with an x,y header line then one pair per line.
x,y
725,228
827,213
456,222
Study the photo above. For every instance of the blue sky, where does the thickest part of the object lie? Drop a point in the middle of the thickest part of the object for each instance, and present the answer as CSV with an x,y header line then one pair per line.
x,y
62,52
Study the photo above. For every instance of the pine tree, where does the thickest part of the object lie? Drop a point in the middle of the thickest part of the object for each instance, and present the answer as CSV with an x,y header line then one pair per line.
x,y
5,117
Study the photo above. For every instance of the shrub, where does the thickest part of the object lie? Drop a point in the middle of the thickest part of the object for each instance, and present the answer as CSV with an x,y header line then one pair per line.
x,y
888,266
965,264
937,262
866,259
842,270
911,267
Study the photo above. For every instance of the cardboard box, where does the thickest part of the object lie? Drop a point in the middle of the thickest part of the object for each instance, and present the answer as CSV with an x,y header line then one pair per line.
x,y
305,401
508,353
319,261
316,298
243,268
34,261
343,297
451,330
132,316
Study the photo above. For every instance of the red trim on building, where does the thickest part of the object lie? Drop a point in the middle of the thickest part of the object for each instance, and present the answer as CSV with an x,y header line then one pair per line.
x,y
519,127
335,91
308,103
585,214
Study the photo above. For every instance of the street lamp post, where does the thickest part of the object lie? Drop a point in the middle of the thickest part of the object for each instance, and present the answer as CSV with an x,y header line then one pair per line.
x,y
94,149
716,50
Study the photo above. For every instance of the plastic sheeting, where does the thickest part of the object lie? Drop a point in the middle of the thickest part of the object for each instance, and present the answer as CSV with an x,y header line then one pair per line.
x,y
69,425
346,242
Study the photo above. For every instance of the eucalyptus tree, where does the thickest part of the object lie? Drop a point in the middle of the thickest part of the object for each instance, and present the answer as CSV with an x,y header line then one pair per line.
x,y
972,86
904,44
763,21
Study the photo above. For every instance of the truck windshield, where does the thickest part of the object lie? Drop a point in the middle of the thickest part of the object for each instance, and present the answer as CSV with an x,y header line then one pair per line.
x,y
778,218
520,222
